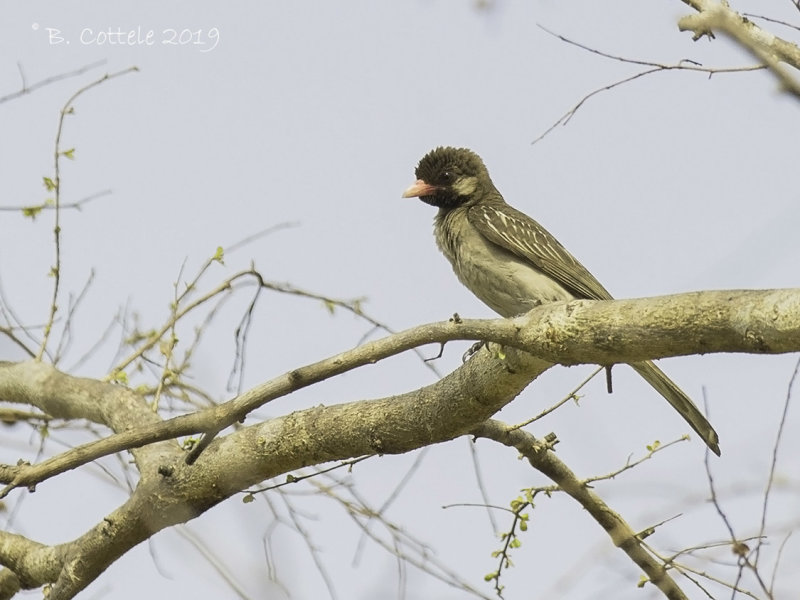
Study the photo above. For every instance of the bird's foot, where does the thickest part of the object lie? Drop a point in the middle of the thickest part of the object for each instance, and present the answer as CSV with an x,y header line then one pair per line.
x,y
472,350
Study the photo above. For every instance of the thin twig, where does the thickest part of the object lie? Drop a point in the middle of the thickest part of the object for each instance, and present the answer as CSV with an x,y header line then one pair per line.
x,y
56,270
476,469
654,68
27,89
207,551
771,20
292,479
773,465
34,209
392,497
65,339
573,395
312,549
94,347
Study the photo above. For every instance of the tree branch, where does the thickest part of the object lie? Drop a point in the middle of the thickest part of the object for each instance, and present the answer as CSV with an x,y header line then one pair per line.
x,y
27,89
581,331
713,15
621,534
170,491
174,492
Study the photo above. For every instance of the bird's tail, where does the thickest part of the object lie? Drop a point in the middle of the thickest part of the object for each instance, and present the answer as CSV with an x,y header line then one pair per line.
x,y
680,402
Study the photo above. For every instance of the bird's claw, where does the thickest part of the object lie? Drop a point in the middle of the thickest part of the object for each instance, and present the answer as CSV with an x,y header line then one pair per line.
x,y
472,350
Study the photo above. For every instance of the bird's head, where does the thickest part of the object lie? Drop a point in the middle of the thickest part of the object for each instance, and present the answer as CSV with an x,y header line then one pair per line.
x,y
450,177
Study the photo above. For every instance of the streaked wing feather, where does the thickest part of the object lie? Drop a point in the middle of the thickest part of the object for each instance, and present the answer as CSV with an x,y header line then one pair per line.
x,y
517,232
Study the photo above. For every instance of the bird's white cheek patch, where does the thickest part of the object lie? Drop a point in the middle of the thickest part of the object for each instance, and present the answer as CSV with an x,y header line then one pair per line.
x,y
465,186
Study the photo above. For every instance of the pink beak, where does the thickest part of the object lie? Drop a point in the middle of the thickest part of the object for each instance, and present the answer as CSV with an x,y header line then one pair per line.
x,y
419,188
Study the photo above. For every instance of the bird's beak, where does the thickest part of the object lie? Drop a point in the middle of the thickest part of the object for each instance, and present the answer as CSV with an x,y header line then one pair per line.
x,y
419,189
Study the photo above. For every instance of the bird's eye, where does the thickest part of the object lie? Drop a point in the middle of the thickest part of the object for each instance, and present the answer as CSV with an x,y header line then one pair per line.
x,y
447,176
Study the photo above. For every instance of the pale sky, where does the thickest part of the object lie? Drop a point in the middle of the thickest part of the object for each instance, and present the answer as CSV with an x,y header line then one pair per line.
x,y
316,114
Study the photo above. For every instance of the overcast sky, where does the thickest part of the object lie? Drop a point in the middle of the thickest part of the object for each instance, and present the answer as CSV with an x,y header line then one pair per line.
x,y
315,114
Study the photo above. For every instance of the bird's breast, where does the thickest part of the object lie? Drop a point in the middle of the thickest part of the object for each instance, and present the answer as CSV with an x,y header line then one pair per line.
x,y
506,283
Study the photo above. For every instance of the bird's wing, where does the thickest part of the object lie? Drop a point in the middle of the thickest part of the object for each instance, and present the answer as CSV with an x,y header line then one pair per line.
x,y
516,232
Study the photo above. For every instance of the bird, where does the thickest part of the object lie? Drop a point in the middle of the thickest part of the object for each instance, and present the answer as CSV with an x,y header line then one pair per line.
x,y
512,263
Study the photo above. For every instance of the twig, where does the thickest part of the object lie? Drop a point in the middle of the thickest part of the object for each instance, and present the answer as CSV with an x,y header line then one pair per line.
x,y
205,550
33,210
403,546
713,15
14,322
56,270
773,465
778,561
312,549
476,469
393,496
291,479
771,20
27,89
240,337
654,68
571,396
9,333
94,347
623,536
739,548
153,339
651,451
65,339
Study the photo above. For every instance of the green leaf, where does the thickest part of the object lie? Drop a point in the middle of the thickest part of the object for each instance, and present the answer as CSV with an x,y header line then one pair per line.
x,y
490,576
248,498
165,347
32,211
120,377
70,154
329,304
219,255
140,336
49,184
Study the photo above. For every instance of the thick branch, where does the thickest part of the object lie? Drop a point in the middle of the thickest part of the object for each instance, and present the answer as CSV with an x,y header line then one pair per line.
x,y
622,535
180,492
63,396
171,492
625,331
582,331
713,15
